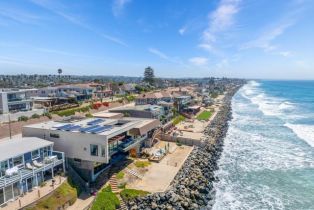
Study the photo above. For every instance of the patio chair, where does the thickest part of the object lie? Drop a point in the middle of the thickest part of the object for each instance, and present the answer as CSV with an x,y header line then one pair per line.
x,y
29,166
37,164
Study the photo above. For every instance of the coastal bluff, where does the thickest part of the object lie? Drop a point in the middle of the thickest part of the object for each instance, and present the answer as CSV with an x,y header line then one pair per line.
x,y
192,187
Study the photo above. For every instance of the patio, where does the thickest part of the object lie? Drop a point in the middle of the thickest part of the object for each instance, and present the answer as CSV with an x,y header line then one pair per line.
x,y
34,195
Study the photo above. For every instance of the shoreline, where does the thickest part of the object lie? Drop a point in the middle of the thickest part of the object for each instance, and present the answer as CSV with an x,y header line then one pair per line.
x,y
192,187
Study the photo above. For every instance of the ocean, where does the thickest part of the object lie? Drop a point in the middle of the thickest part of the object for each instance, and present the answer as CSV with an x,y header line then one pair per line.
x,y
268,156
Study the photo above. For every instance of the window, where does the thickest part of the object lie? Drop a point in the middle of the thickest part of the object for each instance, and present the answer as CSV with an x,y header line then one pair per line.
x,y
17,161
4,166
77,160
93,150
35,154
54,135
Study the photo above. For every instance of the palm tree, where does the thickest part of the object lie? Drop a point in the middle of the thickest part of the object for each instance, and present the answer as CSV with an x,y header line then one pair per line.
x,y
59,72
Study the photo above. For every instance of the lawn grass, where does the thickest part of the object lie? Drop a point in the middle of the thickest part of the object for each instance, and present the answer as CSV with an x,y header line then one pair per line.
x,y
62,195
129,194
142,164
106,200
120,175
205,115
178,119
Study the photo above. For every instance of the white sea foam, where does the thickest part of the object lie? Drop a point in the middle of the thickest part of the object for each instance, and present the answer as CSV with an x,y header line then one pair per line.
x,y
270,106
305,132
255,148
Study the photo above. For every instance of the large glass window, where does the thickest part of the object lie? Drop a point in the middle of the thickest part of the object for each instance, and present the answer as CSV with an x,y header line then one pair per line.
x,y
4,166
17,161
93,150
35,154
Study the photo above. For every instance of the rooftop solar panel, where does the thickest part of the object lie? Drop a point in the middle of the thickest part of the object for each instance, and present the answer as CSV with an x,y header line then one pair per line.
x,y
64,127
98,130
87,129
73,128
95,122
108,126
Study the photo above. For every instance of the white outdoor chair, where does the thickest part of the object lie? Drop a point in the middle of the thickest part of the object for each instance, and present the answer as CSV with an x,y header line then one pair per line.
x,y
29,166
37,164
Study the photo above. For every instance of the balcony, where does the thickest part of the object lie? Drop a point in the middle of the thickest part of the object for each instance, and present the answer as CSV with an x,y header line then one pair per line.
x,y
129,143
56,159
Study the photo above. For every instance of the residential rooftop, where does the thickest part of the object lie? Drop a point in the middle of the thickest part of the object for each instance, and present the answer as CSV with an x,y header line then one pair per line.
x,y
18,146
97,126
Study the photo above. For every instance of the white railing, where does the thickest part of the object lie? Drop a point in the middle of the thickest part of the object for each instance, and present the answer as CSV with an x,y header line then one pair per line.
x,y
25,173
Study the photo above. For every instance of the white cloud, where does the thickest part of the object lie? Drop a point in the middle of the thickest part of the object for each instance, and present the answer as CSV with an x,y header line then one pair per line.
x,y
182,30
265,40
57,9
158,53
285,53
118,6
224,63
198,61
19,15
219,21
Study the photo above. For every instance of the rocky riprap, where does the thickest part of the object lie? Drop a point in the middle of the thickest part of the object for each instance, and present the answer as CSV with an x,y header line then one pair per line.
x,y
192,188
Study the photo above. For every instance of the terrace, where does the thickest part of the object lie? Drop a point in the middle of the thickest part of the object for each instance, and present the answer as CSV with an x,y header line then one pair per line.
x,y
25,172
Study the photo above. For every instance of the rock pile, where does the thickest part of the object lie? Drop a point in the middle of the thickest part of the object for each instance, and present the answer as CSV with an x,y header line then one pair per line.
x,y
192,188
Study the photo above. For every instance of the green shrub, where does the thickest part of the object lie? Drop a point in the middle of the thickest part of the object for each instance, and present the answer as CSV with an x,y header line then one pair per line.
x,y
35,116
47,114
142,164
89,115
178,119
130,98
120,175
122,185
129,194
23,118
69,112
106,200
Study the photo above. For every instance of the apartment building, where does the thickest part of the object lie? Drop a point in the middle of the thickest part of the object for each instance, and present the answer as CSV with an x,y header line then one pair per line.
x,y
15,100
24,164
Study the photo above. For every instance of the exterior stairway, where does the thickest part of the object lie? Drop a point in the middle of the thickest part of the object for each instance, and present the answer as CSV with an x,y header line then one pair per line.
x,y
122,204
114,187
114,184
134,173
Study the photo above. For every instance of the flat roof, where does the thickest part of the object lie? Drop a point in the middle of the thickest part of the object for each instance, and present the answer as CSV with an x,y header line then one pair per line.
x,y
18,146
137,107
106,114
126,124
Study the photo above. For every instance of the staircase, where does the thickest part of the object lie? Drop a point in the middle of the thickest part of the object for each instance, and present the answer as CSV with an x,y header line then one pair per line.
x,y
114,184
122,204
114,187
133,173
154,137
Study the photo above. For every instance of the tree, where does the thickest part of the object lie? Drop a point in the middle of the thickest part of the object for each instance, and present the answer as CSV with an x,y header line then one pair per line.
x,y
149,76
59,72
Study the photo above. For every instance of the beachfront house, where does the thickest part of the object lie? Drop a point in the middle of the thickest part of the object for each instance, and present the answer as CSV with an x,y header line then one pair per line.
x,y
15,100
91,145
26,163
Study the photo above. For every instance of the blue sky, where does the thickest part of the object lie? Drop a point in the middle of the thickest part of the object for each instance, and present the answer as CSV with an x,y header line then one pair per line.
x,y
178,38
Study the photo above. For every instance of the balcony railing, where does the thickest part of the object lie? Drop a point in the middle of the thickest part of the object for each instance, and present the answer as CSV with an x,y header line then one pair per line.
x,y
56,159
130,143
